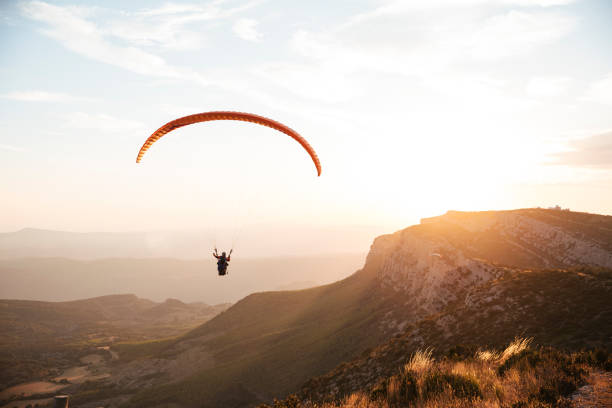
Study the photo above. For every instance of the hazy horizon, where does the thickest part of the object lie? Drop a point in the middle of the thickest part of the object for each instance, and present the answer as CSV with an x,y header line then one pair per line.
x,y
280,241
189,280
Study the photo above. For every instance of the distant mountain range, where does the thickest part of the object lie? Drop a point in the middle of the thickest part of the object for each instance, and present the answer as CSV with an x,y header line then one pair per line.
x,y
251,242
463,277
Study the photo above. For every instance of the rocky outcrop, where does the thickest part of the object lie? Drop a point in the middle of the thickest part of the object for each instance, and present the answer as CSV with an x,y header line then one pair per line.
x,y
555,238
433,264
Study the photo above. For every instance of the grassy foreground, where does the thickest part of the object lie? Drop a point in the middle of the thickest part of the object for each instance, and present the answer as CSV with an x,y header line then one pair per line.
x,y
520,376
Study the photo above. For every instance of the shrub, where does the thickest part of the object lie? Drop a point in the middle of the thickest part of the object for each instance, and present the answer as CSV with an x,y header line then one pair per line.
x,y
379,391
292,401
461,352
559,373
398,390
460,385
599,357
409,390
523,361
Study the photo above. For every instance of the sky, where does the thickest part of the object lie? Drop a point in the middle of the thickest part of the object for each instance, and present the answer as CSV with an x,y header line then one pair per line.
x,y
414,108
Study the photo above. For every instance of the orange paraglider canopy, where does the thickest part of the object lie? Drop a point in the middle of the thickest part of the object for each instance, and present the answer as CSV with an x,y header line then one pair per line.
x,y
228,115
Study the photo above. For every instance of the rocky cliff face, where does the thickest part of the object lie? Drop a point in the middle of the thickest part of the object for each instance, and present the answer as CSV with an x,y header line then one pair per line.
x,y
555,238
433,264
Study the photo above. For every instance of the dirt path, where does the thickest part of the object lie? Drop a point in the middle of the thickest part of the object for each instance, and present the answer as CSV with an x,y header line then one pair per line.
x,y
30,388
32,403
597,393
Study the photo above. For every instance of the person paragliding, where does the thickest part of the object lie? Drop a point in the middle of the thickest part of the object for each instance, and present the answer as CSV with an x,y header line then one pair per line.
x,y
222,261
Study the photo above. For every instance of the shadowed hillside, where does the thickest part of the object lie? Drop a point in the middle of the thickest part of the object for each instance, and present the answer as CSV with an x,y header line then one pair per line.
x,y
252,342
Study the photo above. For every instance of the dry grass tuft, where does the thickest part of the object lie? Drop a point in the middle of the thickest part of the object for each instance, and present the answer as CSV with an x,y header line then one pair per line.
x,y
515,347
487,355
421,360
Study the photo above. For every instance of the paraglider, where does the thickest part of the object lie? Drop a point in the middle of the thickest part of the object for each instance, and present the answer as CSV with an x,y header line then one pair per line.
x,y
224,259
228,115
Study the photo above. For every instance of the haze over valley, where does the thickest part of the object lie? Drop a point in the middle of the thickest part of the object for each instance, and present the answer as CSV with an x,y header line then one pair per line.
x,y
59,279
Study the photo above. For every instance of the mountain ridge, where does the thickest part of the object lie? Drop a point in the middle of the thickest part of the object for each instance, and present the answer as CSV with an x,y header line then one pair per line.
x,y
185,244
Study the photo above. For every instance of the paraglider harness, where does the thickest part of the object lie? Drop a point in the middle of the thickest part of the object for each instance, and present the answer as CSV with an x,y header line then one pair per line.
x,y
222,261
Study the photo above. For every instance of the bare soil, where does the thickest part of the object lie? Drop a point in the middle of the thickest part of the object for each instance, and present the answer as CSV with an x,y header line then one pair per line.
x,y
597,393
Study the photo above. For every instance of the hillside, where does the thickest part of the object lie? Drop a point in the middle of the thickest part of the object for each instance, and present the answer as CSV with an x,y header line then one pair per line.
x,y
249,346
567,309
40,337
269,343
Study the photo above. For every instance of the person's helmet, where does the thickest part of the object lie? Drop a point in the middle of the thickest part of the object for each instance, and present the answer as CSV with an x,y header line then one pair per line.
x,y
222,253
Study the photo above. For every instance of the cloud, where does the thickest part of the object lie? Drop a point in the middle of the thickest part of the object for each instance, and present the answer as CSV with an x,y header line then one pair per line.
x,y
11,148
516,33
245,28
421,45
540,3
594,151
198,12
71,27
172,26
43,96
402,5
101,122
600,91
396,40
547,87
172,9
329,84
